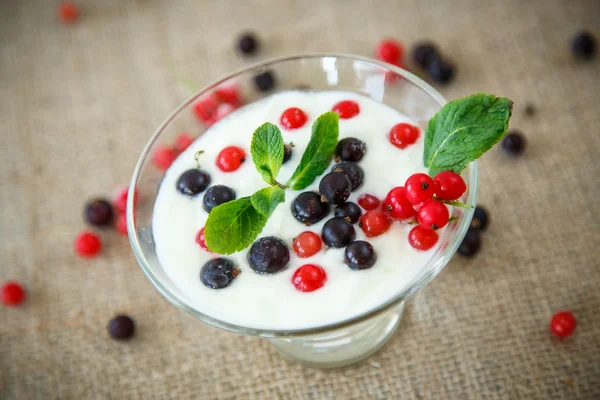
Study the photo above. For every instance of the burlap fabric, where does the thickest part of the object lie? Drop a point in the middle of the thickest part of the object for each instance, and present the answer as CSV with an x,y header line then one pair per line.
x,y
78,102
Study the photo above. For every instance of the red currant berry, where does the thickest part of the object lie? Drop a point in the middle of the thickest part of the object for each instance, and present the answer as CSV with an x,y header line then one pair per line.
x,y
433,215
421,238
309,278
229,95
68,12
389,51
368,201
293,118
307,244
449,185
120,200
419,188
121,224
346,109
163,157
374,223
201,240
402,135
12,294
397,205
88,244
230,158
206,109
563,324
182,142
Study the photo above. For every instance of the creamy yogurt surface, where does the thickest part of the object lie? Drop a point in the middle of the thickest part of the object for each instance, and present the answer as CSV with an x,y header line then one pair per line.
x,y
272,301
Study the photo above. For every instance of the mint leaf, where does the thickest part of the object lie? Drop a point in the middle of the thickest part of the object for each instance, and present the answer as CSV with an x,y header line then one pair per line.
x,y
233,226
463,130
267,151
318,153
266,200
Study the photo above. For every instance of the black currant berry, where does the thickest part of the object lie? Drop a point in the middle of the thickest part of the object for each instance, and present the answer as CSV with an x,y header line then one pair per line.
x,y
218,273
338,233
359,255
350,149
309,209
217,195
470,244
98,212
353,171
192,182
268,255
335,188
350,211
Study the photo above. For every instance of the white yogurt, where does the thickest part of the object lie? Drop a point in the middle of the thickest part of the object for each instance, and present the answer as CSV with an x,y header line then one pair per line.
x,y
271,301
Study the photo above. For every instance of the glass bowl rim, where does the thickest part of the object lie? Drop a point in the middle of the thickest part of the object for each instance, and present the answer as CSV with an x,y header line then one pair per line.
x,y
416,284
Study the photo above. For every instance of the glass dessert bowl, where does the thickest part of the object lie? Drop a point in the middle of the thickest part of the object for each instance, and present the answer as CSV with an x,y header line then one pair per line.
x,y
341,342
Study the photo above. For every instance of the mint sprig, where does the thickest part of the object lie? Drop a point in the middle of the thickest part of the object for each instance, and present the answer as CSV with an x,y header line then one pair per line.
x,y
266,149
318,153
234,225
463,130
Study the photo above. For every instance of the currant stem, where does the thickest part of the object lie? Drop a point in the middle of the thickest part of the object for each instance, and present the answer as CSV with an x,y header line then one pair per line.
x,y
197,157
453,203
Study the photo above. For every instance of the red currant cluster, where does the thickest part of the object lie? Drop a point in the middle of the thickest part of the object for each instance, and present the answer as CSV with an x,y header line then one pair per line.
x,y
421,198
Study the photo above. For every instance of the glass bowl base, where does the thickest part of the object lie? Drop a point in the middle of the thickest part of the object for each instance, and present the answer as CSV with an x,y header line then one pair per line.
x,y
342,347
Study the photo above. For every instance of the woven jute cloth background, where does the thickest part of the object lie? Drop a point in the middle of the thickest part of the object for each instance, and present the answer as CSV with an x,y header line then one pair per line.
x,y
77,104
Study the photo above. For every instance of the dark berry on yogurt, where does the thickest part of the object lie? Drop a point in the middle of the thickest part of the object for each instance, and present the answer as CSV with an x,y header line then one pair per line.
x,y
360,255
308,208
335,188
350,149
265,81
338,233
353,171
218,273
98,212
192,182
350,211
268,255
217,195
287,152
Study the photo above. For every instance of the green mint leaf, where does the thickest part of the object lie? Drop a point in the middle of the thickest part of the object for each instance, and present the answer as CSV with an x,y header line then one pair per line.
x,y
318,153
463,130
233,226
267,151
266,200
